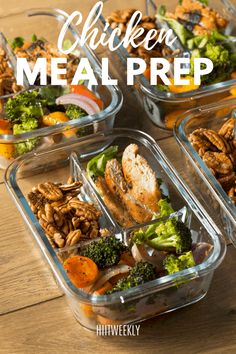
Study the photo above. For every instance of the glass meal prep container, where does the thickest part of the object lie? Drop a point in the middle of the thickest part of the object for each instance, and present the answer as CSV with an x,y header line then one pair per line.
x,y
163,108
145,301
198,175
46,24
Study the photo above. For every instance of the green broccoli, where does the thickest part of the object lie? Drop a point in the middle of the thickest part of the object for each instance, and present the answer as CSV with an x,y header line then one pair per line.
x,y
141,236
165,208
170,235
75,112
141,273
24,106
27,145
216,53
105,252
96,166
173,264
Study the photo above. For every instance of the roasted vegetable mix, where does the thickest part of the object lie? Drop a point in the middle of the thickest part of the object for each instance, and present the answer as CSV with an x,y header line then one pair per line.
x,y
47,106
200,30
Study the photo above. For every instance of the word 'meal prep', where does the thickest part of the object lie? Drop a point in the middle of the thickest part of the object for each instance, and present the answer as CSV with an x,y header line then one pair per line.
x,y
159,67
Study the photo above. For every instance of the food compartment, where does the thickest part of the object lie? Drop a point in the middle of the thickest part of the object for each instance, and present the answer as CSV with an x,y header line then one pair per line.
x,y
210,167
164,104
126,176
164,294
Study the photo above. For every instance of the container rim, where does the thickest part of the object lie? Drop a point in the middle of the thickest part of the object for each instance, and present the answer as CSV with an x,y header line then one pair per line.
x,y
215,258
115,93
205,173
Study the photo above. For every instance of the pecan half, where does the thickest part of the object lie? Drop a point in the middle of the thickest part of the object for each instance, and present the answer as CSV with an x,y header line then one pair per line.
x,y
217,140
50,191
73,237
199,141
219,162
227,129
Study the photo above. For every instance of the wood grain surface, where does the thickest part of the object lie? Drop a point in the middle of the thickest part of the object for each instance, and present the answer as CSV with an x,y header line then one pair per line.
x,y
25,278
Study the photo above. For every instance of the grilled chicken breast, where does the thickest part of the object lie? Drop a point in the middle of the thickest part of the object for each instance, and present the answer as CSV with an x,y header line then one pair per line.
x,y
141,179
117,185
199,18
119,212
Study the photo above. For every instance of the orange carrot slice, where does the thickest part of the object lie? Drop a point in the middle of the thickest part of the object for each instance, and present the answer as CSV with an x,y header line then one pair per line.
x,y
6,150
82,271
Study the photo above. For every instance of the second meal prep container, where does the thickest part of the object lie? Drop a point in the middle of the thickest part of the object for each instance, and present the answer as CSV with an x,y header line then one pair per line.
x,y
46,23
163,108
200,178
137,304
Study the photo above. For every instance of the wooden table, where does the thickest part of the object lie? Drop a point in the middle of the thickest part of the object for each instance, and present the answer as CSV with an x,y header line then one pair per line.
x,y
35,317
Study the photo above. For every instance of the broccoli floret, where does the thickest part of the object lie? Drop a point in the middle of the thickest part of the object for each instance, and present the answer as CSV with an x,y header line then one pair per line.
x,y
75,112
24,106
173,264
105,252
165,208
216,53
27,145
171,236
141,273
25,126
141,236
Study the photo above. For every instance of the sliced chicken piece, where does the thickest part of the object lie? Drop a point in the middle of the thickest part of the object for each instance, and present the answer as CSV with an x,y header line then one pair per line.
x,y
210,18
117,185
140,178
113,204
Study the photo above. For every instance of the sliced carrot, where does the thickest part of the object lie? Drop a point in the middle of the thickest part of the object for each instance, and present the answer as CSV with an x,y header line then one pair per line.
x,y
127,258
182,88
82,271
107,321
107,286
57,118
147,73
233,75
87,309
171,118
233,91
7,149
54,118
84,91
4,125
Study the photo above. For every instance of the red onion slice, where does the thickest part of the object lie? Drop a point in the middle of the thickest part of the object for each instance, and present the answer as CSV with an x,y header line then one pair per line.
x,y
88,105
201,251
108,274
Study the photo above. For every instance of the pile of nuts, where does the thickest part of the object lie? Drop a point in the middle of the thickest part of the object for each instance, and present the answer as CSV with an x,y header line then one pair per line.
x,y
218,151
65,219
121,18
7,79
